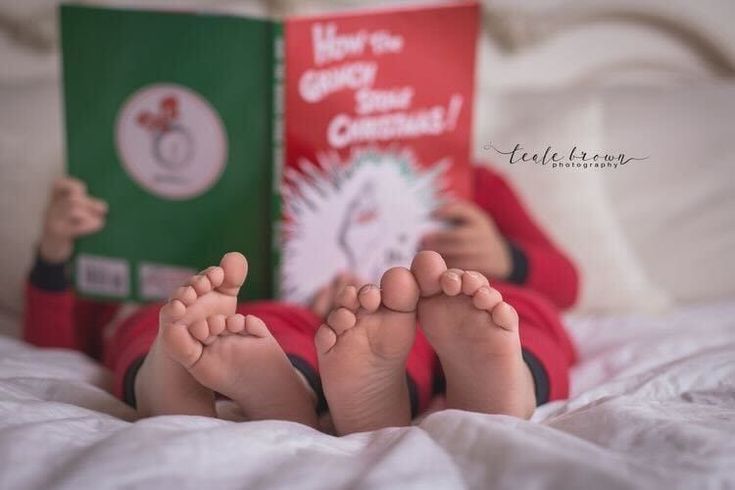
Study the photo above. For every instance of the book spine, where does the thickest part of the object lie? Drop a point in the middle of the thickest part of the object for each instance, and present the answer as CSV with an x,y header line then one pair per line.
x,y
278,130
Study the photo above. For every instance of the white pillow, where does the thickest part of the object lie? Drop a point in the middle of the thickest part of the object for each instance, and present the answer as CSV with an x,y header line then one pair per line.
x,y
571,204
31,156
678,207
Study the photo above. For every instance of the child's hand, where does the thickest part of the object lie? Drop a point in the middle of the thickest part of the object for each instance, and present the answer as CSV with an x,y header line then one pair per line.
x,y
472,242
324,300
70,213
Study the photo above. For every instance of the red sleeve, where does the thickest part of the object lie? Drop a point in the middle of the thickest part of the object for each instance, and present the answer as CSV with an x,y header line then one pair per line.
x,y
550,272
61,319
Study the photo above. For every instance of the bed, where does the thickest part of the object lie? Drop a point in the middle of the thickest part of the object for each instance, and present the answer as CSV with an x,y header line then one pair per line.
x,y
653,407
653,396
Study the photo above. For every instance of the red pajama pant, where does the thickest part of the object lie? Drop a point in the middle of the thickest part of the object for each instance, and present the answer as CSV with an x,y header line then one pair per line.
x,y
294,327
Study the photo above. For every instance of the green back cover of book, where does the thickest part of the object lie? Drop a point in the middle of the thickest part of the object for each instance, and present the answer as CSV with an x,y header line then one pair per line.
x,y
169,118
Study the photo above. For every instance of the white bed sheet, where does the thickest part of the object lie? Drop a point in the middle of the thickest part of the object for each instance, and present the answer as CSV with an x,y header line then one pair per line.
x,y
653,407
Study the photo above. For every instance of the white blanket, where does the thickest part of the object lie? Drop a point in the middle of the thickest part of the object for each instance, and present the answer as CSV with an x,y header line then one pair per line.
x,y
653,407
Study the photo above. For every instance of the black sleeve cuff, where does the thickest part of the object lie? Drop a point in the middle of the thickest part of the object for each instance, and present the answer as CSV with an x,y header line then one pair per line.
x,y
313,379
519,267
129,381
540,378
413,396
49,276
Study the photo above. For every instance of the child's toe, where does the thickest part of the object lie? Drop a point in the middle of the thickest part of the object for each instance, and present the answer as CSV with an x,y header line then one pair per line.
x,y
341,320
215,274
324,339
451,282
201,284
180,345
199,330
172,311
472,281
347,298
369,298
427,267
255,326
486,298
185,294
235,268
216,324
399,291
235,323
505,316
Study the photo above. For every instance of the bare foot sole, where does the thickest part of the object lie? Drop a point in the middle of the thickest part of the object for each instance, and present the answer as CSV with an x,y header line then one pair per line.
x,y
203,347
362,351
475,334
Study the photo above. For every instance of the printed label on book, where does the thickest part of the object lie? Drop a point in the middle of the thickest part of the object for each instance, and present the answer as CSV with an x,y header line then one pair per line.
x,y
171,141
157,281
103,275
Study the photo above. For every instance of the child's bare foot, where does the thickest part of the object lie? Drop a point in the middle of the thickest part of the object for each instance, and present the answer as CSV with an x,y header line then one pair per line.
x,y
204,347
362,351
475,334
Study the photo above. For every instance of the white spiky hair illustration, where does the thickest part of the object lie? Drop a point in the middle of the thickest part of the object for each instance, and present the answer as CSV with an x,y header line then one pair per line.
x,y
363,216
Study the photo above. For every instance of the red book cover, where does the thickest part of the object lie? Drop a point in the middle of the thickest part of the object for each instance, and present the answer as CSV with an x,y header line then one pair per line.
x,y
378,113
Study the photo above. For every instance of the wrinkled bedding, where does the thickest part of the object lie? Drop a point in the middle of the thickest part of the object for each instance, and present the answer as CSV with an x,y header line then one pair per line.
x,y
653,406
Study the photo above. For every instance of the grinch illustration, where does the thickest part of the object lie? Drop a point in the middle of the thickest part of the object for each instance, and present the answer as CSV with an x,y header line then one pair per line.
x,y
363,216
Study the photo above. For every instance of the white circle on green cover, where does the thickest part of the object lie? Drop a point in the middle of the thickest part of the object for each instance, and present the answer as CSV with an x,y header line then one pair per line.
x,y
171,141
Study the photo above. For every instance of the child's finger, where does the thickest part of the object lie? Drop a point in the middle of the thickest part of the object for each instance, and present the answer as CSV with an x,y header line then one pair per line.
x,y
459,262
87,225
60,228
97,206
80,214
457,211
439,237
68,204
75,205
453,210
66,186
445,237
454,250
76,213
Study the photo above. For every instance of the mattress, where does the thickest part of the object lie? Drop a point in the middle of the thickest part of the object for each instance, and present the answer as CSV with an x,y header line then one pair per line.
x,y
653,406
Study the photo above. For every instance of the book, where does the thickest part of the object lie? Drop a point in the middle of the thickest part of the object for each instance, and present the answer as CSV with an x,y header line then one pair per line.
x,y
313,145
377,135
169,119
